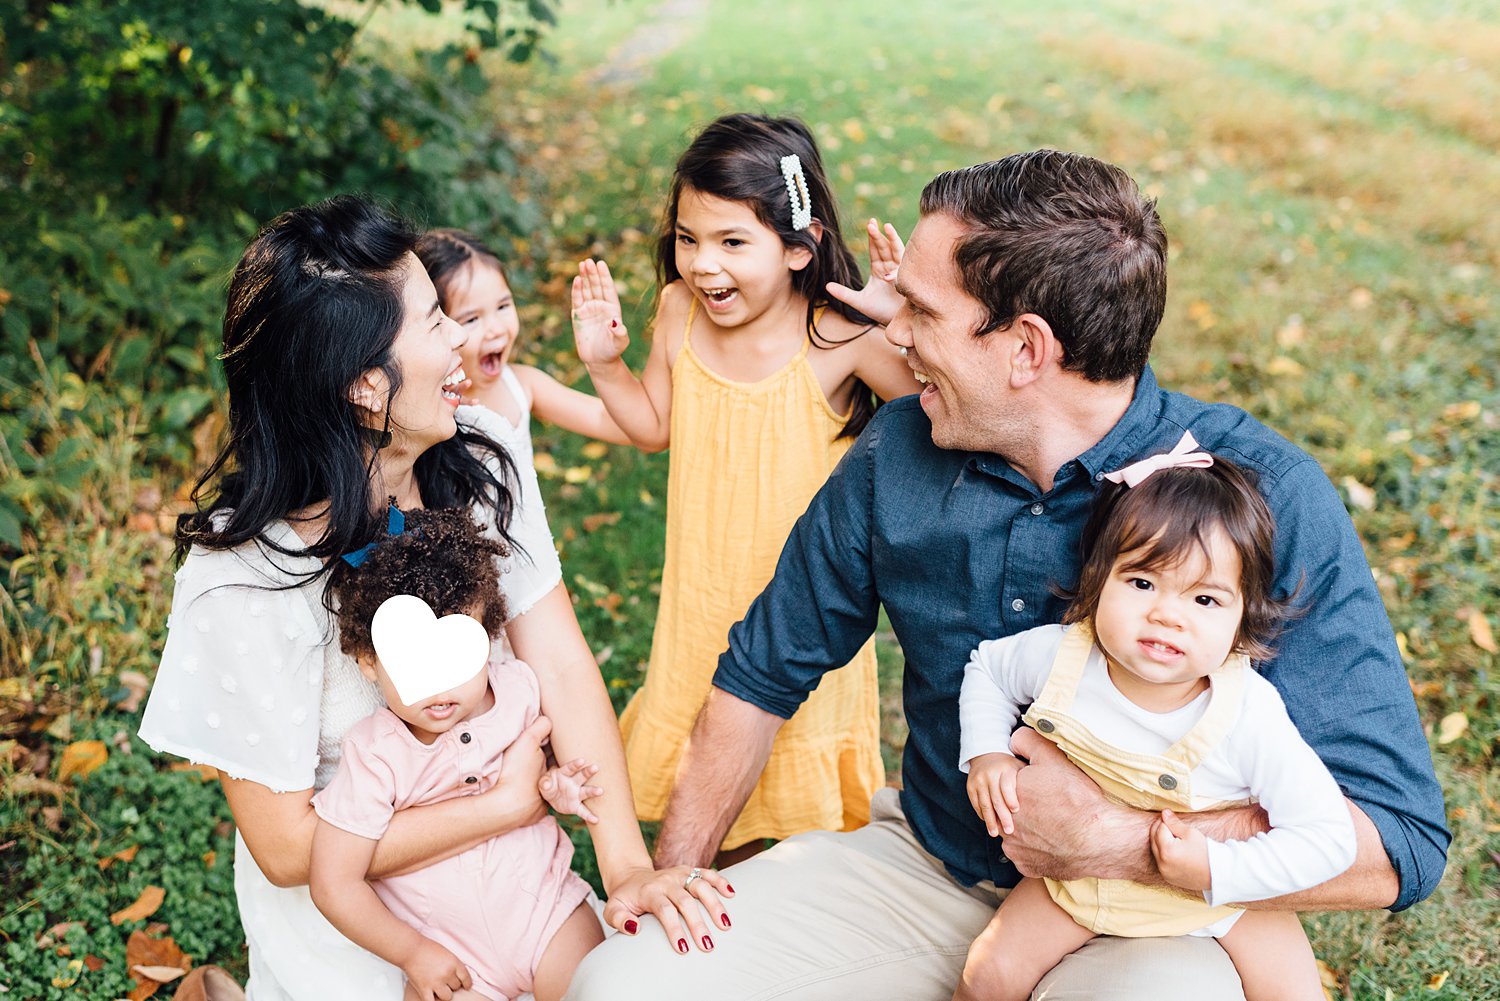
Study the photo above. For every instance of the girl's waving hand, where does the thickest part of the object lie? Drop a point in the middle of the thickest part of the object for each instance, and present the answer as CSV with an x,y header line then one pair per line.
x,y
879,299
598,325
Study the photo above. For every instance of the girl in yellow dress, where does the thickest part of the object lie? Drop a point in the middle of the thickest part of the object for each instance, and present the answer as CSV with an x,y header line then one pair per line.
x,y
759,382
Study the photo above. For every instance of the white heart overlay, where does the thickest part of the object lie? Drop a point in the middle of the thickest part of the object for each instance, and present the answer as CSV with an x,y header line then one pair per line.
x,y
424,655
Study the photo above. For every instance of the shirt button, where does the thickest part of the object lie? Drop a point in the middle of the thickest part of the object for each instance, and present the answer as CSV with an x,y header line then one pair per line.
x,y
1038,508
1018,605
471,780
465,737
1098,477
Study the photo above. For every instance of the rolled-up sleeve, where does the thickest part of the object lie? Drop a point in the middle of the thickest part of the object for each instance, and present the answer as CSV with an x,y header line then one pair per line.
x,y
1340,673
820,607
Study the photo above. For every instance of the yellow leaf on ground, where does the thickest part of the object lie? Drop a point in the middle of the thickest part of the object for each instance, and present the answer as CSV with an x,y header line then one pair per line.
x,y
70,977
1451,727
577,474
594,522
1284,367
1437,980
594,450
1328,979
81,757
145,905
1480,632
1360,495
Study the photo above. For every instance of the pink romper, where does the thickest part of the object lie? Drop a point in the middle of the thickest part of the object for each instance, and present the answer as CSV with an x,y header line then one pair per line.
x,y
497,905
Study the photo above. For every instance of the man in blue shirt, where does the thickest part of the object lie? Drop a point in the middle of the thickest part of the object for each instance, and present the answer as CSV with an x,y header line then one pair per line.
x,y
1027,302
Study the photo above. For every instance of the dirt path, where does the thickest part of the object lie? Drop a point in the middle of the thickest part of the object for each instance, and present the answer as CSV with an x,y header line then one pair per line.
x,y
662,32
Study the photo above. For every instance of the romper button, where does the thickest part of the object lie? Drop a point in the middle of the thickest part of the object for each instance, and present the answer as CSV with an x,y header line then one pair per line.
x,y
1047,726
471,780
465,737
1167,782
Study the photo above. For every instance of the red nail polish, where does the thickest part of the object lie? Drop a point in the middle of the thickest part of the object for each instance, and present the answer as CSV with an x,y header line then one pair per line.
x,y
729,888
724,920
631,927
613,324
708,943
682,945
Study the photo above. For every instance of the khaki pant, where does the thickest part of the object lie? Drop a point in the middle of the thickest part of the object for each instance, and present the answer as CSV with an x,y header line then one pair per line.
x,y
868,916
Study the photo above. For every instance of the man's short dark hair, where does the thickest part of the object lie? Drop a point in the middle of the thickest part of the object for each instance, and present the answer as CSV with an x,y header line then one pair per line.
x,y
1069,238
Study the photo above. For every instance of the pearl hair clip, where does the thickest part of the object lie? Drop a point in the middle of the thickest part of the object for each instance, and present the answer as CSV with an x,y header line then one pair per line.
x,y
796,191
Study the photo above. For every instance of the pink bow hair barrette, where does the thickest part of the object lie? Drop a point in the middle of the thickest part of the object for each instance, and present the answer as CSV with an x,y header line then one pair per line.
x,y
1182,454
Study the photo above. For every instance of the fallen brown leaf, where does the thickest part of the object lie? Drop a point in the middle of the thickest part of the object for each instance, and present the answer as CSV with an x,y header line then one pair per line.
x,y
80,758
1480,632
206,773
137,685
145,905
93,962
123,855
161,974
594,522
146,955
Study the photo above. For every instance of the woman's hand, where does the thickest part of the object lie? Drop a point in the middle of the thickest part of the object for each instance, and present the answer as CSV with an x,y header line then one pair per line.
x,y
434,972
565,788
674,896
516,799
879,299
598,325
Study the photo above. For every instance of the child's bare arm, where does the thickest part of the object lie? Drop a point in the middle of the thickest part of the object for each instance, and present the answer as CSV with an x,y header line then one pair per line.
x,y
338,887
641,407
569,408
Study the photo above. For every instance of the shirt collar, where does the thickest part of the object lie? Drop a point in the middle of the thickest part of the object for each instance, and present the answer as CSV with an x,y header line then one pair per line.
x,y
1125,440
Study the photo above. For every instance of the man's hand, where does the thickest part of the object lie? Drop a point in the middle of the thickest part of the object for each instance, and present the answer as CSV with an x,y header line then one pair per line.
x,y
1066,828
434,972
992,790
565,788
1181,853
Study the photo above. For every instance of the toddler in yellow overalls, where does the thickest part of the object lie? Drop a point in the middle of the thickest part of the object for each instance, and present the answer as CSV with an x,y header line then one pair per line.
x,y
1148,689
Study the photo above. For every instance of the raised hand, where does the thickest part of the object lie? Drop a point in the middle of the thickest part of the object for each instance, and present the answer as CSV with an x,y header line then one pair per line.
x,y
566,787
598,325
879,299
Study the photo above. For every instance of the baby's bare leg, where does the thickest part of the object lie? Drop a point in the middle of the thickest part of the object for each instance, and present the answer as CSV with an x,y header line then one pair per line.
x,y
1028,936
580,933
1270,952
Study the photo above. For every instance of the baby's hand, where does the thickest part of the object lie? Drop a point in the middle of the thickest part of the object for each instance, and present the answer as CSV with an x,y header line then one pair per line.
x,y
879,299
992,790
1181,853
598,326
565,788
434,972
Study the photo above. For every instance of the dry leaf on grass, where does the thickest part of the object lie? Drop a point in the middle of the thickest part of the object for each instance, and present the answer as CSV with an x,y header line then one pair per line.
x,y
1451,727
153,961
1480,632
80,758
145,905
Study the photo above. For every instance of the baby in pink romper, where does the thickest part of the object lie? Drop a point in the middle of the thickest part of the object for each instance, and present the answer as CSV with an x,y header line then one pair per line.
x,y
507,916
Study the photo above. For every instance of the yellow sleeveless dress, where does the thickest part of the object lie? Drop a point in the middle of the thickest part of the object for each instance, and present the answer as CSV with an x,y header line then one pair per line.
x,y
746,458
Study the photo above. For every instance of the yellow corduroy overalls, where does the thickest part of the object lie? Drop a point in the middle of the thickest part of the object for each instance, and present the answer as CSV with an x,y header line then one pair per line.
x,y
1143,781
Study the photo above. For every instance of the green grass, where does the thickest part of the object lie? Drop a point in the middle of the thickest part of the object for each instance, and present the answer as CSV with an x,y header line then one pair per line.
x,y
1326,174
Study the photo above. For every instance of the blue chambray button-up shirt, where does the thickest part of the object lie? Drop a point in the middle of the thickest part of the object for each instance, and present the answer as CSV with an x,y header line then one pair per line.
x,y
959,548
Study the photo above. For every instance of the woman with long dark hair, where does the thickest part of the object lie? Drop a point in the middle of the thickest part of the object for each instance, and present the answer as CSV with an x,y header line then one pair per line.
x,y
344,382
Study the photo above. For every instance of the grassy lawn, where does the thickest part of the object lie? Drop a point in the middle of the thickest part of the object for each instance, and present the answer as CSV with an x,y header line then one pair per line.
x,y
1327,175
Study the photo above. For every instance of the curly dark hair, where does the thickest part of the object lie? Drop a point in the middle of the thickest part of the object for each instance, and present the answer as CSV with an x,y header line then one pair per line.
x,y
442,557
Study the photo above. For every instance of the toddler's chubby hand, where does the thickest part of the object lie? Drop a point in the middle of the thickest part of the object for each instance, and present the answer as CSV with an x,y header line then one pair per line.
x,y
435,973
992,790
1181,853
566,787
598,325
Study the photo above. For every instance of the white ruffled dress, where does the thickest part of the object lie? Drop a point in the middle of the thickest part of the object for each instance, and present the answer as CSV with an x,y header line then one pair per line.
x,y
252,681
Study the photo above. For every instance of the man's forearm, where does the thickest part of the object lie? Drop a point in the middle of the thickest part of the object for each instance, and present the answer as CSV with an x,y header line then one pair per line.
x,y
724,757
1369,884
